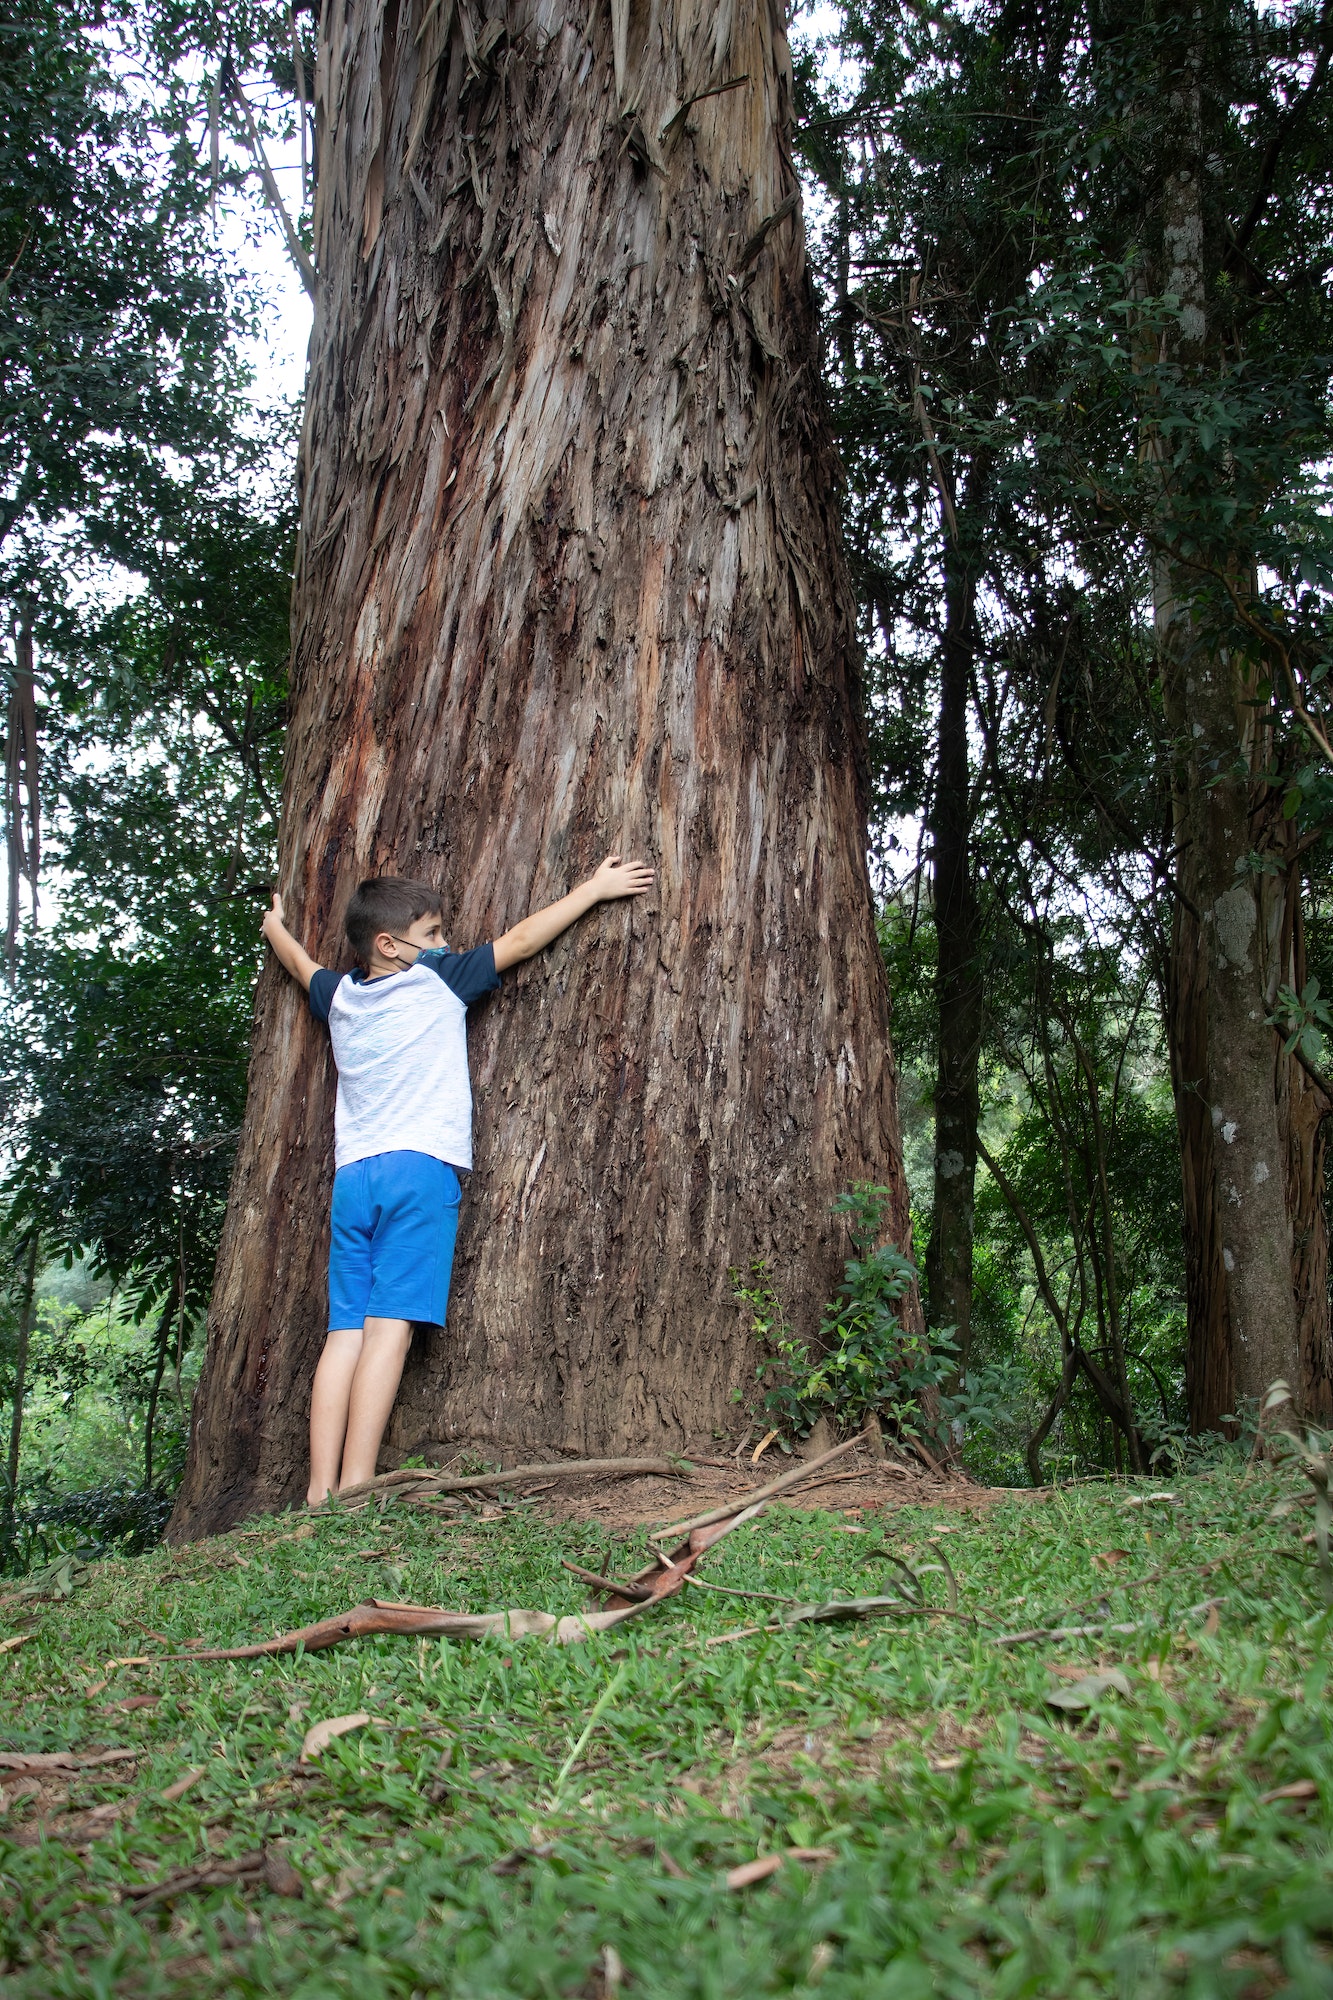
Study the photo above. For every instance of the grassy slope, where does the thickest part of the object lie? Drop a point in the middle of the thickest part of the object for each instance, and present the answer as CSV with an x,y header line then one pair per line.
x,y
984,1843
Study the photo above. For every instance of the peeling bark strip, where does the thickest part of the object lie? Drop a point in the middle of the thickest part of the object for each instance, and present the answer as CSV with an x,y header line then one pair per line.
x,y
570,581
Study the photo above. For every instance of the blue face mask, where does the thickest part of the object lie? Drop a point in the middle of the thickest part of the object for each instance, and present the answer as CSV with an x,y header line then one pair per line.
x,y
419,949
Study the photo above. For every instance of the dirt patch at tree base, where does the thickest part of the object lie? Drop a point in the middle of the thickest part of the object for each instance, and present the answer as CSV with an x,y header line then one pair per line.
x,y
856,1485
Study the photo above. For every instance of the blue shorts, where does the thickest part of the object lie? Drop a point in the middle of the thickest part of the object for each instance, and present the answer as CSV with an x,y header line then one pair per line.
x,y
395,1218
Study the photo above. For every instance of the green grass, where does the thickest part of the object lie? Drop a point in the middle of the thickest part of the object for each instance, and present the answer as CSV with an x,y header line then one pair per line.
x,y
983,1842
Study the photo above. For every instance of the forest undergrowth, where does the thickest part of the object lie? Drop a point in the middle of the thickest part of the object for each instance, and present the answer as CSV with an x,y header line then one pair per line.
x,y
1140,1807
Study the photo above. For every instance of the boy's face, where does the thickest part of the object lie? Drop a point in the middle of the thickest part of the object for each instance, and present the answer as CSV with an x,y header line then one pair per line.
x,y
396,949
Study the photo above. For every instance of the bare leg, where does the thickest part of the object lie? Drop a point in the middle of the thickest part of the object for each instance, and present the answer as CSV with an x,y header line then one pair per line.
x,y
374,1386
329,1400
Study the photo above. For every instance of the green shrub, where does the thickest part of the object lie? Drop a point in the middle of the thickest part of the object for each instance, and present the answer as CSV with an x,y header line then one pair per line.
x,y
866,1361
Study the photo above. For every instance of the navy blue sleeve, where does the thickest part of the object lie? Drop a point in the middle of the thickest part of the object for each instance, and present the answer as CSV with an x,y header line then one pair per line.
x,y
323,986
469,974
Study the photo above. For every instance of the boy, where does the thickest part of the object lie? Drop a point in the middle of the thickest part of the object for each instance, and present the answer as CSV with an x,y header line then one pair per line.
x,y
402,1133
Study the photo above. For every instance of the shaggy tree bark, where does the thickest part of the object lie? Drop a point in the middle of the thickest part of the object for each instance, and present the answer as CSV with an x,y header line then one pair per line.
x,y
569,583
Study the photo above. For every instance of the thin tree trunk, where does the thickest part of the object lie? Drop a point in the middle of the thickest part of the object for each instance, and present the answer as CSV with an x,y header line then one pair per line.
x,y
1114,1327
957,978
1032,1449
1210,1391
1303,1108
1101,1385
23,812
569,582
150,1416
1303,1113
26,1309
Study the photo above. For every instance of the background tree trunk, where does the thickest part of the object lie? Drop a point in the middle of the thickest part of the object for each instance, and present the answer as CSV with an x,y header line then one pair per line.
x,y
1209,700
569,582
1249,1155
1303,1108
27,1308
957,978
1210,1389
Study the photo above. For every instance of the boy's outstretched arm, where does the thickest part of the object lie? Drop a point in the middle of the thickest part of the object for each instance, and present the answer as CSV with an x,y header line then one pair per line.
x,y
285,948
615,878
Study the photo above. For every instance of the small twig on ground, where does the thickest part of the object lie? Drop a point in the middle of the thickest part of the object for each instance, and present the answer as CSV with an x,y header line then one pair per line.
x,y
730,1590
1091,1631
837,1478
838,1609
1063,1632
1133,1583
613,1586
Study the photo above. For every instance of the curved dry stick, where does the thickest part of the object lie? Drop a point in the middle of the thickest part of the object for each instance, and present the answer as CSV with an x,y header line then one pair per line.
x,y
779,1485
482,1482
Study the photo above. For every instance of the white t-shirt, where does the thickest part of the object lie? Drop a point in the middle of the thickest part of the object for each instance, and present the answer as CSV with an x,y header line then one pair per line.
x,y
400,1044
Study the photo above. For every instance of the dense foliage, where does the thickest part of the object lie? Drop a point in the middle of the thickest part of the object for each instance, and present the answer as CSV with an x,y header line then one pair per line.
x,y
145,549
1050,450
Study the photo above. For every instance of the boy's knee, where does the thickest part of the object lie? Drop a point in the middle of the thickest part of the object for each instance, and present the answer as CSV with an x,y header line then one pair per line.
x,y
386,1333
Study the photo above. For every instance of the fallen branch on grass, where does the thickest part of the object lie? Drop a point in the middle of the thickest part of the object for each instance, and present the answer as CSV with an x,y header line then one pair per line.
x,y
661,1579
419,1620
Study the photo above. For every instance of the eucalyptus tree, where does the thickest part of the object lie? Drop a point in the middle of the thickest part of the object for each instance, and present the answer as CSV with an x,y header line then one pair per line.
x,y
569,581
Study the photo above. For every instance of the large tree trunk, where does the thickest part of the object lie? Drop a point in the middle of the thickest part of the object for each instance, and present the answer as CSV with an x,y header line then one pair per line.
x,y
1302,1110
570,582
1219,746
1249,1156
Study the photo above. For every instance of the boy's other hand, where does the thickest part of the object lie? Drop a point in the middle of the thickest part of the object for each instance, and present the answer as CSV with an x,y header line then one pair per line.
x,y
284,946
622,878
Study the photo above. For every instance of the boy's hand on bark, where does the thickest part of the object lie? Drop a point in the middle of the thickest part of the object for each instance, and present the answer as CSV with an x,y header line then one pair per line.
x,y
622,878
273,915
